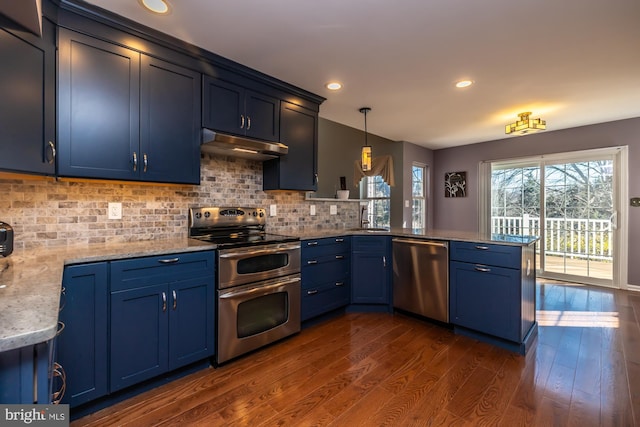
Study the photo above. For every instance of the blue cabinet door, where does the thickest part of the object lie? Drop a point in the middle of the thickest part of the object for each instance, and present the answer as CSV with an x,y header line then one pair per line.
x,y
486,299
99,102
223,106
191,321
139,335
27,91
82,345
371,270
169,123
298,169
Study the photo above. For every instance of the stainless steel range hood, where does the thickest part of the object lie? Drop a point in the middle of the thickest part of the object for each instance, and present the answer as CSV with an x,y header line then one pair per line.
x,y
238,146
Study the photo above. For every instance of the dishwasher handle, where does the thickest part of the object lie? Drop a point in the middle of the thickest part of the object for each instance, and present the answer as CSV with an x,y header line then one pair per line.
x,y
421,242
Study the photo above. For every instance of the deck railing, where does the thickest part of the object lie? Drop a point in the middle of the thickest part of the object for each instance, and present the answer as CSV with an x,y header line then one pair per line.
x,y
572,237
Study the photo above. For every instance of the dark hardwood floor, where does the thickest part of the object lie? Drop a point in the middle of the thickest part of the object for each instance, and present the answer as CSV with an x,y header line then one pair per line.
x,y
383,369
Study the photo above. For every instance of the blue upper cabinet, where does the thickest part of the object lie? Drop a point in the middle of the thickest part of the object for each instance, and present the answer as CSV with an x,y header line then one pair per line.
x,y
238,110
125,116
27,91
298,169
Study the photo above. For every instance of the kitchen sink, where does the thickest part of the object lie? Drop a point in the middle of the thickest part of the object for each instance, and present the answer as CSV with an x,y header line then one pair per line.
x,y
370,229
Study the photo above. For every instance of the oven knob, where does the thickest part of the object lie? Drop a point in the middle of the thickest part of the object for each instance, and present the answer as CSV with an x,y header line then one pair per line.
x,y
198,215
261,214
255,213
207,214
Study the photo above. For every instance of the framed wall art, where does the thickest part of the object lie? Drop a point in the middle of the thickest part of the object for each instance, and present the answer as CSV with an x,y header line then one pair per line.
x,y
455,184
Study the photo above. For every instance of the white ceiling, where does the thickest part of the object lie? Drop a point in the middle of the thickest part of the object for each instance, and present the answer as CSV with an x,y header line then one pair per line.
x,y
570,62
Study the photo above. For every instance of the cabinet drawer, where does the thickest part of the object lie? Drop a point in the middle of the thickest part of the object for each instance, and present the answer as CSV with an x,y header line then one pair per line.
x,y
319,247
138,272
370,243
488,254
323,299
334,271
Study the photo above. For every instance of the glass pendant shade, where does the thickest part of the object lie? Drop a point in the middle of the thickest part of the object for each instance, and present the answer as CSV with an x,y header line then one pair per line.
x,y
366,158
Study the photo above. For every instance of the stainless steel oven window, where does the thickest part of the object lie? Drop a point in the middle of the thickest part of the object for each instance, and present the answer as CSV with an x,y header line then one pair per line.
x,y
263,313
260,263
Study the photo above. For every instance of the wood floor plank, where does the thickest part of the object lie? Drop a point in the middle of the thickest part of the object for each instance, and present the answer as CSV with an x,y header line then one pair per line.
x,y
370,369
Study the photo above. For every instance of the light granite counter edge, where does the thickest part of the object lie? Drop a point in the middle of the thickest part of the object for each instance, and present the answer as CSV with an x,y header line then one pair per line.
x,y
30,283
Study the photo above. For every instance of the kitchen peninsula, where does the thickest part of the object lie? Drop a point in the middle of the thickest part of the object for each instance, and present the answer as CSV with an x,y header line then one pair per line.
x,y
30,295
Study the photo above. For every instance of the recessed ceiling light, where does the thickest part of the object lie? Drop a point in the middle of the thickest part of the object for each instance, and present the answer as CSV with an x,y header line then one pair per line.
x,y
334,86
464,83
156,6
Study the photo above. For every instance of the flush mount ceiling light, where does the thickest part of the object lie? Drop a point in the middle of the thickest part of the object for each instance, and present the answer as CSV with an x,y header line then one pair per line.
x,y
464,83
156,6
334,85
525,125
366,148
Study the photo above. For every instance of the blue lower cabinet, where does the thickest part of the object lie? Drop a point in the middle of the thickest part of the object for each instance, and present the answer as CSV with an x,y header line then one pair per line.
x,y
371,270
191,322
82,344
139,335
486,299
325,275
25,374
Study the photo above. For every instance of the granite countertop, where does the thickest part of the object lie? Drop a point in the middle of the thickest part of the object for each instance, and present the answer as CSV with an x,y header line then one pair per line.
x,y
31,280
464,236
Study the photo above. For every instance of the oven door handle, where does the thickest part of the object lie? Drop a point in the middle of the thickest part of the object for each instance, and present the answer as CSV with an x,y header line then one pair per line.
x,y
258,290
270,251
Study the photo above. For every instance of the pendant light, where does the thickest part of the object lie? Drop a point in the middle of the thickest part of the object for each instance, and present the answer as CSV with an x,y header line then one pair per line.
x,y
366,148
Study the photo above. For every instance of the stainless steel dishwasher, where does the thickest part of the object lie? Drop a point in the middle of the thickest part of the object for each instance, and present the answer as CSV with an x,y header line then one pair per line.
x,y
421,277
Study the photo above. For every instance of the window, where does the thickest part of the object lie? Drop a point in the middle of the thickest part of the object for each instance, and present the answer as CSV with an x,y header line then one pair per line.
x,y
418,195
378,194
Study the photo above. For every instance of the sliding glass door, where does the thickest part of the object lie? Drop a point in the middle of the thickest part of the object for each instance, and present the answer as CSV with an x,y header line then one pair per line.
x,y
570,203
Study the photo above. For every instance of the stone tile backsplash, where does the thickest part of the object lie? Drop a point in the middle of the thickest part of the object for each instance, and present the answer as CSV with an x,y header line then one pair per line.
x,y
45,213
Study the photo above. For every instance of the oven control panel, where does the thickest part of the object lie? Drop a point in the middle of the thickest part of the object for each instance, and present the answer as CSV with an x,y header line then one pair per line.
x,y
221,217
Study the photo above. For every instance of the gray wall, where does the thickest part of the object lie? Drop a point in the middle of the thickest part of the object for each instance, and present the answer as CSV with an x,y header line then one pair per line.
x,y
339,147
462,213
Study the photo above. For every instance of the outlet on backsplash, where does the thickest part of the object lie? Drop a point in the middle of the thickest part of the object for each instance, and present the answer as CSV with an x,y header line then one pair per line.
x,y
115,211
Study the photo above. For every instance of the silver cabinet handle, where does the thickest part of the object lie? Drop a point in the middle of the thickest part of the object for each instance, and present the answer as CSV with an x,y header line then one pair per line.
x,y
312,292
175,298
169,260
482,269
135,161
339,240
339,283
312,261
312,243
60,328
164,302
242,121
248,122
52,148
384,261
144,162
63,298
316,177
482,248
339,256
58,372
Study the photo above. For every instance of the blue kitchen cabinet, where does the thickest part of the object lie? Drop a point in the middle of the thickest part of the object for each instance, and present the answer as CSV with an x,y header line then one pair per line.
x,y
25,374
239,110
82,344
492,290
371,270
298,169
124,115
27,90
325,275
162,315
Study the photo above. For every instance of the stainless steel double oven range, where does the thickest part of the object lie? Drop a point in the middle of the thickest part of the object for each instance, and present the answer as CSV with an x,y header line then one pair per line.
x,y
258,283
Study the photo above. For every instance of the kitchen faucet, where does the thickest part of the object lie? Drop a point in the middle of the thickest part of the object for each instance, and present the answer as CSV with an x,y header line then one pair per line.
x,y
363,221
